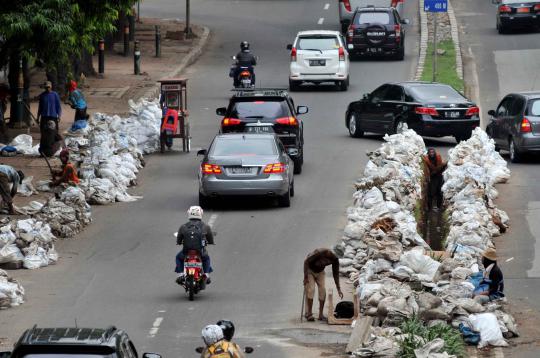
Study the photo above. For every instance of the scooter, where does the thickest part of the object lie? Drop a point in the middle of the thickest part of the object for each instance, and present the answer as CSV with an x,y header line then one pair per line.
x,y
244,79
194,279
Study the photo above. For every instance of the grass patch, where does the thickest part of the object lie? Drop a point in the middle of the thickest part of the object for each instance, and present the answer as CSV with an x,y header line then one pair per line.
x,y
446,65
416,333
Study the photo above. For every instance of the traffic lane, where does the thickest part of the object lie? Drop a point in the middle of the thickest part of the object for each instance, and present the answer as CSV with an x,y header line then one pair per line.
x,y
504,61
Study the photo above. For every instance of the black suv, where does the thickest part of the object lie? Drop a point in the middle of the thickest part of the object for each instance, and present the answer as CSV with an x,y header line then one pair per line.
x,y
249,108
77,342
377,31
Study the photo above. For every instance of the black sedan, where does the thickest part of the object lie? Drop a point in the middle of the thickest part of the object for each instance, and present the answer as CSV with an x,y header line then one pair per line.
x,y
515,124
513,14
431,109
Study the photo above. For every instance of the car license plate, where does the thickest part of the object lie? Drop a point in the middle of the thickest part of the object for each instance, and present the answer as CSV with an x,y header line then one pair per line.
x,y
192,264
523,9
452,114
241,170
374,49
259,129
317,62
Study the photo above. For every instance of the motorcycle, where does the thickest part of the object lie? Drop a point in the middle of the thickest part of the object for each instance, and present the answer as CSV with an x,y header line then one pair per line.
x,y
194,279
244,79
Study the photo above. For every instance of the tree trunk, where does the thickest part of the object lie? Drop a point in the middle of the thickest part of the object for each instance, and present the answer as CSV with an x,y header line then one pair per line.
x,y
83,65
13,79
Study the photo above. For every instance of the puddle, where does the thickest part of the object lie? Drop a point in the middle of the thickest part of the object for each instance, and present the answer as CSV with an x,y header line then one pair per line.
x,y
434,229
314,336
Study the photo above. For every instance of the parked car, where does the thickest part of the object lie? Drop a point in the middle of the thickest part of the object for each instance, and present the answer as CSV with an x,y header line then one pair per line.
x,y
76,343
268,105
319,56
515,124
246,164
346,9
517,14
431,109
377,31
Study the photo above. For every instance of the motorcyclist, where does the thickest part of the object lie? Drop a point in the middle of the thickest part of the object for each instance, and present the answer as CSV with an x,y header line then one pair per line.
x,y
216,345
194,235
244,58
228,333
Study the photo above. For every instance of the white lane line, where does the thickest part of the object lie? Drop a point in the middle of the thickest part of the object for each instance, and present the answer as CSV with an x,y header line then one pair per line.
x,y
155,327
326,6
212,220
321,20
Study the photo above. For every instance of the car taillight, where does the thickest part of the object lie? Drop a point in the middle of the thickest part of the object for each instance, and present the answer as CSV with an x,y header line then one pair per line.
x,y
350,32
288,121
430,111
397,29
293,54
536,7
472,111
341,53
275,168
525,126
210,169
230,122
505,8
347,4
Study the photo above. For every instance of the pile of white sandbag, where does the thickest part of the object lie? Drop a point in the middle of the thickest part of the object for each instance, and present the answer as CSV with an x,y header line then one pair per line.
x,y
11,292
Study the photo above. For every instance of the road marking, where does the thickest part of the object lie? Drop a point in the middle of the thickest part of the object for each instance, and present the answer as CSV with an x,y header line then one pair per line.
x,y
212,220
510,259
155,327
326,6
321,20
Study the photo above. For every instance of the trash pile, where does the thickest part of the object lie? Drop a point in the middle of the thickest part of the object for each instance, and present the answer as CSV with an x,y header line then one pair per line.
x,y
396,274
11,292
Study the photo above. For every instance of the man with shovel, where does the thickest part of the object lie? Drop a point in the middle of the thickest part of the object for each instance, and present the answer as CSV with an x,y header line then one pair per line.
x,y
314,266
9,177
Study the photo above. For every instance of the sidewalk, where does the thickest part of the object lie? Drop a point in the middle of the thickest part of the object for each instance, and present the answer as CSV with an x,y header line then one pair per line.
x,y
111,92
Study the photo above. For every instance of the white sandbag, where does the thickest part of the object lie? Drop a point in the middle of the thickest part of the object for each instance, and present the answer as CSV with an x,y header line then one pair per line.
x,y
23,143
26,188
424,266
10,253
6,236
488,326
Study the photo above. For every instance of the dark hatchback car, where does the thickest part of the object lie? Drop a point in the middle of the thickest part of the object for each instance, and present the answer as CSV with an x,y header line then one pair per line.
x,y
513,14
431,109
272,106
515,124
75,343
377,31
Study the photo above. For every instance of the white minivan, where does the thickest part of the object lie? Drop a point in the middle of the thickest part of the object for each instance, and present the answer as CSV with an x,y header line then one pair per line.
x,y
319,56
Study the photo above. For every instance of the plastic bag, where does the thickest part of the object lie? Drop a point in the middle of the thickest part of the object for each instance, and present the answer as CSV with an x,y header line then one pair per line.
x,y
488,326
10,253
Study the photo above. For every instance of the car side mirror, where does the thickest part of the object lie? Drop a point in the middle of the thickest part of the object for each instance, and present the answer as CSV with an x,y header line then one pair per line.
x,y
202,152
151,355
248,350
302,110
491,112
221,111
405,21
199,349
289,47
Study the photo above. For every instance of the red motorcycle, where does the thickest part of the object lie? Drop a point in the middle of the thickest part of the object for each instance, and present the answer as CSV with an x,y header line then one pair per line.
x,y
194,279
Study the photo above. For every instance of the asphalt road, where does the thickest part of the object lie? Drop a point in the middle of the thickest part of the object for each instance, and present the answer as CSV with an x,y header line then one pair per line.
x,y
120,270
507,63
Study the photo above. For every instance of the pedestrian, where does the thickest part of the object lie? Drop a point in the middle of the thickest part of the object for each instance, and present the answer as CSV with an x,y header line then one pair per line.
x,y
435,167
314,266
77,101
9,183
49,112
4,95
492,285
67,176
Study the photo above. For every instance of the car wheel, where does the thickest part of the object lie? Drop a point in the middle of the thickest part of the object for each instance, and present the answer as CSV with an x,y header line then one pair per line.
x,y
354,130
462,137
298,162
400,54
292,189
501,29
515,155
400,126
285,200
204,201
343,85
294,85
344,28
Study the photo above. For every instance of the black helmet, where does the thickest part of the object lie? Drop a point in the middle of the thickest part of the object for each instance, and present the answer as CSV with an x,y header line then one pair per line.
x,y
227,327
244,45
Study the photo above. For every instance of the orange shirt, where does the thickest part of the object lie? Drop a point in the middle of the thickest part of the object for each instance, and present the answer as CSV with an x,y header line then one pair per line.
x,y
69,174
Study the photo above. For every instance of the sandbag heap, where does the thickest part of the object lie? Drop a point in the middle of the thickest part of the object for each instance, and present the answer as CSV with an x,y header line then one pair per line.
x,y
11,292
396,275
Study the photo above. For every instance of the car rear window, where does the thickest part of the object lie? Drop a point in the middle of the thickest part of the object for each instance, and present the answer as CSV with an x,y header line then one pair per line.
x,y
434,93
259,110
318,43
372,18
534,108
239,146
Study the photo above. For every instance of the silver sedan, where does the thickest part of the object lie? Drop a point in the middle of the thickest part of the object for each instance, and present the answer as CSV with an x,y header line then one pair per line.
x,y
246,164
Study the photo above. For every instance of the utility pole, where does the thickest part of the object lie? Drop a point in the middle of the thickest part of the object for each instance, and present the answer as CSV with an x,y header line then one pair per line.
x,y
435,20
187,31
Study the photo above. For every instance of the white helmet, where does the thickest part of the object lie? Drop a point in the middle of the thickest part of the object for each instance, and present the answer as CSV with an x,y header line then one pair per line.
x,y
195,212
212,334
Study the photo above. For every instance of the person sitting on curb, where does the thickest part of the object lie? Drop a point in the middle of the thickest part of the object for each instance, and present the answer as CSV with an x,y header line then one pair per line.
x,y
67,175
314,266
435,166
9,177
492,281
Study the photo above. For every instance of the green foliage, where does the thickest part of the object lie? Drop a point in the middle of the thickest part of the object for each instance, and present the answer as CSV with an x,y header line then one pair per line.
x,y
56,31
417,334
446,65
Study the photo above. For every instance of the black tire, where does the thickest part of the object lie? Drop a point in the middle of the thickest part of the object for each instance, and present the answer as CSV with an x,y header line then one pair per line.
x,y
344,28
400,54
292,189
515,155
500,29
462,137
344,85
294,85
298,163
284,201
190,283
352,125
162,143
204,201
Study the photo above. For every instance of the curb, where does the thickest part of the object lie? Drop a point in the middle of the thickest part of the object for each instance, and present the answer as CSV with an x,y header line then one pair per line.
x,y
189,59
455,38
423,41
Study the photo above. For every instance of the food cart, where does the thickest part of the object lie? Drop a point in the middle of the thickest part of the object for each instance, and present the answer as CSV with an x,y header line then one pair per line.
x,y
175,123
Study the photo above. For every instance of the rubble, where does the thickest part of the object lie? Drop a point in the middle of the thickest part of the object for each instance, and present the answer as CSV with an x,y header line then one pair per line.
x,y
11,292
